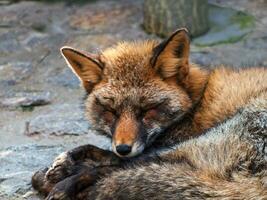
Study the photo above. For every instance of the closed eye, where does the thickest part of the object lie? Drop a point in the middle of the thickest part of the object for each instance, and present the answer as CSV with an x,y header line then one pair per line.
x,y
106,107
152,106
152,112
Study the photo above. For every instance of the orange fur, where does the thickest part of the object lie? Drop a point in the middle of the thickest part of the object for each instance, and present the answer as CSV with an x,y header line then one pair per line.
x,y
126,131
227,91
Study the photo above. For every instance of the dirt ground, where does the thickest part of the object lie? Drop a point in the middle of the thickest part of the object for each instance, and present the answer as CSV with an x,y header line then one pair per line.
x,y
40,98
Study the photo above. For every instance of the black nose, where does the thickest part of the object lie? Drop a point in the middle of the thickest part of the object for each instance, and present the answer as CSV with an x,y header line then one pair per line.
x,y
123,149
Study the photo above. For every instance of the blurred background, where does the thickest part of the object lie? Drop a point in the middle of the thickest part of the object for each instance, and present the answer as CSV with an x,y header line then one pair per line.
x,y
40,99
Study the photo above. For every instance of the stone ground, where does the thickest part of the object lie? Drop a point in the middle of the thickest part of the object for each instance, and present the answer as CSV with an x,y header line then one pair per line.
x,y
40,99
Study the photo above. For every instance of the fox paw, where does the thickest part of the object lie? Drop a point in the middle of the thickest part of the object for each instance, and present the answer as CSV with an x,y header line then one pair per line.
x,y
60,169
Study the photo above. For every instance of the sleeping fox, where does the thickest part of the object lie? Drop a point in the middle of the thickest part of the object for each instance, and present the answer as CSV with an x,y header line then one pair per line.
x,y
178,131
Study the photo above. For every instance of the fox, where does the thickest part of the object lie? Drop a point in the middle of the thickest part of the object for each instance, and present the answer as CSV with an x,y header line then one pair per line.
x,y
177,129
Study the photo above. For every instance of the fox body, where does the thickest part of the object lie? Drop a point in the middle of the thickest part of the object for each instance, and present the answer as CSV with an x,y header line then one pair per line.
x,y
192,133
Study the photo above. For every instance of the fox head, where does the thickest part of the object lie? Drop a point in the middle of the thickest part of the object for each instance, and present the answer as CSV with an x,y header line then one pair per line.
x,y
135,89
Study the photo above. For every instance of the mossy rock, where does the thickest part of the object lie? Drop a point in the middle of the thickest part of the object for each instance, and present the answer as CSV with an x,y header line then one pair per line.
x,y
226,26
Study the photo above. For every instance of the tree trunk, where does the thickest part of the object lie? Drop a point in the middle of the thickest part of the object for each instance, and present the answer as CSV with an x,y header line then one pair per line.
x,y
165,16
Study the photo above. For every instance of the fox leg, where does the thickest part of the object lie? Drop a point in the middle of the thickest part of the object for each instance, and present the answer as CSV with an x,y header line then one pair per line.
x,y
178,181
71,162
72,187
88,155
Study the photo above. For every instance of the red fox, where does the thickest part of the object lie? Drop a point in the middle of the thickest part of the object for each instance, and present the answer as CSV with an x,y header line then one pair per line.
x,y
178,131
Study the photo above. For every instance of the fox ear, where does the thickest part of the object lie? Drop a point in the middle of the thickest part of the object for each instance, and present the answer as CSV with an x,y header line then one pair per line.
x,y
170,57
86,66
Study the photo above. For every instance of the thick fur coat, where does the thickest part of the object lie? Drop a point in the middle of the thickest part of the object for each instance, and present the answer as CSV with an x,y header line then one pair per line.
x,y
177,130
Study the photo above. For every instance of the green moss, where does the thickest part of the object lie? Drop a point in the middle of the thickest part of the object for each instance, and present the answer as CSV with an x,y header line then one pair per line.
x,y
227,41
243,19
227,26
